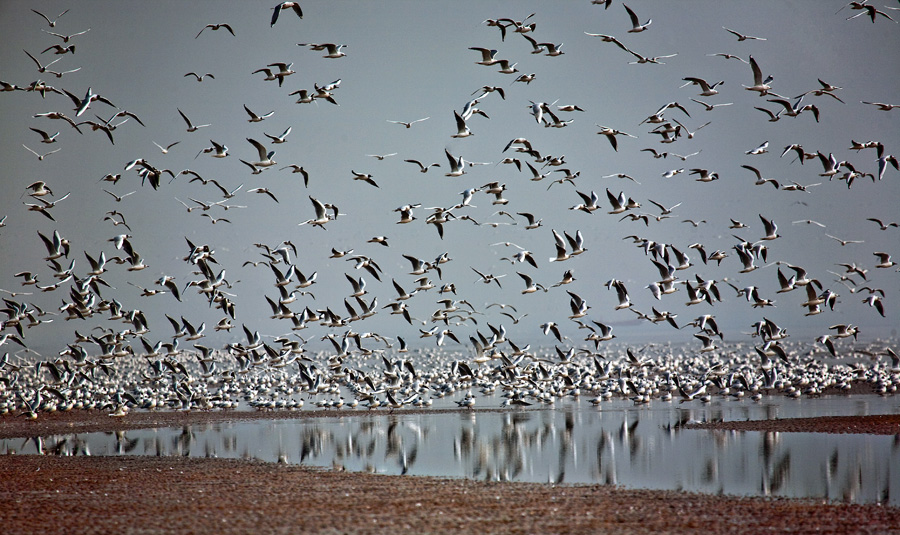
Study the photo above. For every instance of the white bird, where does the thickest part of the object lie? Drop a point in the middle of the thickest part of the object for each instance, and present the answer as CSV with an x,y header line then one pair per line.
x,y
219,150
770,227
332,50
742,37
611,134
636,26
191,127
707,90
761,149
381,157
506,68
45,138
265,157
52,23
760,181
880,105
165,150
884,260
41,68
279,139
711,107
295,6
321,215
759,85
365,177
487,56
876,302
530,285
410,123
422,168
254,118
457,165
200,77
461,129
40,156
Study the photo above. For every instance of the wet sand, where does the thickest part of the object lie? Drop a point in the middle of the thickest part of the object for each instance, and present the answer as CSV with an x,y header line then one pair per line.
x,y
45,494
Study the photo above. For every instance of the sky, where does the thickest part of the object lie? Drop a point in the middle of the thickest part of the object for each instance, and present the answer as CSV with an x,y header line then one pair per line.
x,y
410,60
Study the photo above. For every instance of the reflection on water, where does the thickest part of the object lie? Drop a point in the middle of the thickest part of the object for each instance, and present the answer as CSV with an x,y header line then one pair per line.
x,y
620,444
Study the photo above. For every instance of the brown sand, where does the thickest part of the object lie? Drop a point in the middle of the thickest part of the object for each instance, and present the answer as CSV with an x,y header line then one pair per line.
x,y
42,494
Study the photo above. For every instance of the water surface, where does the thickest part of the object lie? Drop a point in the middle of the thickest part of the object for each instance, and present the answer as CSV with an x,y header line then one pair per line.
x,y
615,443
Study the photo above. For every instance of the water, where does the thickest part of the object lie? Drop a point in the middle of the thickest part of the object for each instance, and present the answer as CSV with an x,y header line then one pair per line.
x,y
617,443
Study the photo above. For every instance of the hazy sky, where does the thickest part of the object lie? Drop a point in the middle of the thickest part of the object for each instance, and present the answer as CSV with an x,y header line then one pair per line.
x,y
410,60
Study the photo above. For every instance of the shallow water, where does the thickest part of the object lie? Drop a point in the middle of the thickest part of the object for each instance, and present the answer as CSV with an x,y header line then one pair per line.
x,y
615,443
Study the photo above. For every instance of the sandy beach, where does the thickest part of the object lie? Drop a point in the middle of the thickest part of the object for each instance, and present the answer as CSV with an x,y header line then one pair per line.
x,y
46,494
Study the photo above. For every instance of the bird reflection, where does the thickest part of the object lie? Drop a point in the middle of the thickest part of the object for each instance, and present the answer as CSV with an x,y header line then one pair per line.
x,y
530,445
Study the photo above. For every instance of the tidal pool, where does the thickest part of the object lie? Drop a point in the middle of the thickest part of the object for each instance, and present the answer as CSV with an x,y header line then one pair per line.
x,y
616,443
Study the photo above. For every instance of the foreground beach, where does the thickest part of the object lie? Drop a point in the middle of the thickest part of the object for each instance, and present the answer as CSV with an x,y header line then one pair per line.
x,y
47,494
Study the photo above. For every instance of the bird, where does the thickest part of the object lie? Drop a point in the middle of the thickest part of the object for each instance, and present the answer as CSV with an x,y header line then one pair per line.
x,y
51,23
760,181
881,225
410,123
880,105
770,228
265,156
759,85
884,260
190,126
365,177
40,157
165,150
217,150
487,56
461,129
45,138
530,285
284,70
200,77
742,37
41,68
457,165
263,191
707,90
761,149
611,134
711,107
872,12
422,167
215,27
254,118
332,50
119,198
295,6
636,26
298,169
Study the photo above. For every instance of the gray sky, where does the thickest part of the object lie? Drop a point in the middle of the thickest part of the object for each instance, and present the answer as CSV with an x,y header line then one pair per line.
x,y
409,60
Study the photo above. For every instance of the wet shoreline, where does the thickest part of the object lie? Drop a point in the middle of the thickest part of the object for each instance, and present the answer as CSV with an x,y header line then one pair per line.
x,y
99,421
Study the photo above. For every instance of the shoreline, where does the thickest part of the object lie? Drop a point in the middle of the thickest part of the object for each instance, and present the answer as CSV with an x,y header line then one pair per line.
x,y
130,494
58,423
46,494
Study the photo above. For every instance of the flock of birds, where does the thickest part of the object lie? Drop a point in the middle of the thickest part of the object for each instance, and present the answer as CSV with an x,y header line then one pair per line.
x,y
118,357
